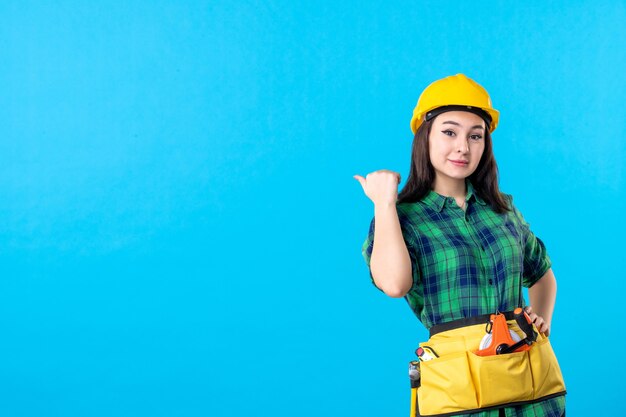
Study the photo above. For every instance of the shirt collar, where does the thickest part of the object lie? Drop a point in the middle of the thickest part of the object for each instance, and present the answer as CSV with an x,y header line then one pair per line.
x,y
434,200
437,201
472,192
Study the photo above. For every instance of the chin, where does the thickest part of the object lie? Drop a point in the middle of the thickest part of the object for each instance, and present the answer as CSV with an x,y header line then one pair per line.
x,y
456,173
458,176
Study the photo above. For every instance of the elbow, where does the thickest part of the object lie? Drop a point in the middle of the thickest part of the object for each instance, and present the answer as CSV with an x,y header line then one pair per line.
x,y
395,292
395,289
396,282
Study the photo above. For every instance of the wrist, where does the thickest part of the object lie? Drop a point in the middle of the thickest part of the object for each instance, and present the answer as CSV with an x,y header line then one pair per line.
x,y
386,205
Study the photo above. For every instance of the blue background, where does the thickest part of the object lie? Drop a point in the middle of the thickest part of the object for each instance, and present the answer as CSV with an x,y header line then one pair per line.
x,y
180,232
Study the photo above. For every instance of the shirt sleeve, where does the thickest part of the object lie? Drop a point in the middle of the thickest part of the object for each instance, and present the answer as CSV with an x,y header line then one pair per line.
x,y
536,259
368,246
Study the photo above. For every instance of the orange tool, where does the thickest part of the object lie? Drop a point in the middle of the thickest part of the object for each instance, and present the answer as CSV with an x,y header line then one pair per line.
x,y
501,341
523,321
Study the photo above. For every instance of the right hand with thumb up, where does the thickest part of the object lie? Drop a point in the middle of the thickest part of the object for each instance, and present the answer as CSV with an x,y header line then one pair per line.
x,y
380,186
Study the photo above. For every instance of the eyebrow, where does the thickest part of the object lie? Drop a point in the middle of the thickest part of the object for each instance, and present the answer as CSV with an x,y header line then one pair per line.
x,y
457,124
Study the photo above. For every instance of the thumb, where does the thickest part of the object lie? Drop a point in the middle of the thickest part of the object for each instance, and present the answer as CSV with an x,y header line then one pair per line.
x,y
360,179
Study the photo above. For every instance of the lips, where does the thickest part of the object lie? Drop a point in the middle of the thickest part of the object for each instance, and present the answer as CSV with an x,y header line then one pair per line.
x,y
460,163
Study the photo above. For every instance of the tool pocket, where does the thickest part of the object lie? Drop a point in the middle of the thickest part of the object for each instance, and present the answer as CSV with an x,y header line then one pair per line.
x,y
446,385
502,378
546,373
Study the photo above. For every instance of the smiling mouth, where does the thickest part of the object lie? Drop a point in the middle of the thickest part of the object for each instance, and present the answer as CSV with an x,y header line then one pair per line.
x,y
459,162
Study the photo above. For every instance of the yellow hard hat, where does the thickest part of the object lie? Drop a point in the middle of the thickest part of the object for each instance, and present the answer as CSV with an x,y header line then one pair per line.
x,y
456,92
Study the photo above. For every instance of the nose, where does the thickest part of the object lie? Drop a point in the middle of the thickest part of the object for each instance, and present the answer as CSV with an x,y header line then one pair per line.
x,y
463,146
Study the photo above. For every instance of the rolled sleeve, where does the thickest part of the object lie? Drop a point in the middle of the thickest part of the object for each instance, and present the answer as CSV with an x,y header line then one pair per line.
x,y
368,246
536,259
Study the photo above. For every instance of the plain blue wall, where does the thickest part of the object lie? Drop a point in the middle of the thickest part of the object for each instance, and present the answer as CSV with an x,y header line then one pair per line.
x,y
180,232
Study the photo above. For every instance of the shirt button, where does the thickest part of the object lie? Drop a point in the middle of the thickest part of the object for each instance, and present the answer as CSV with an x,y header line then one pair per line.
x,y
490,281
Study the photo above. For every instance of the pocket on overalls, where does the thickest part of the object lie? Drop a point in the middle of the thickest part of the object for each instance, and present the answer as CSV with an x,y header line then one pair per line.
x,y
546,373
502,378
446,385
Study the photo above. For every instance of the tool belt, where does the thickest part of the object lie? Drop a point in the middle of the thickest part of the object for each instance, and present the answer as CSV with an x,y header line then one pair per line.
x,y
458,381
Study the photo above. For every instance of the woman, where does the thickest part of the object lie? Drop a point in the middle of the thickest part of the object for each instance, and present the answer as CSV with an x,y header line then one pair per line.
x,y
458,251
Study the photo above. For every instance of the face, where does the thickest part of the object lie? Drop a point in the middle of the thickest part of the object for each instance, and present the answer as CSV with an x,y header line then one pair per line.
x,y
456,144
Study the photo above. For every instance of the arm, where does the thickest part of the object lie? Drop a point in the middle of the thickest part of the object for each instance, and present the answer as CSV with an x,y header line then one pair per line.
x,y
390,262
542,298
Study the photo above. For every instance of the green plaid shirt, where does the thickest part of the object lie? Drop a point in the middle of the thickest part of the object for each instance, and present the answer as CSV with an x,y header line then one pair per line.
x,y
469,263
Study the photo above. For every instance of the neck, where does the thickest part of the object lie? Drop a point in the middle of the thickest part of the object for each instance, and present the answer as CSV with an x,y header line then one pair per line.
x,y
450,187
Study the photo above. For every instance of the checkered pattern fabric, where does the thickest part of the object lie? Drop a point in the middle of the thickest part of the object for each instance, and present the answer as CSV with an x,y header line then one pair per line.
x,y
469,263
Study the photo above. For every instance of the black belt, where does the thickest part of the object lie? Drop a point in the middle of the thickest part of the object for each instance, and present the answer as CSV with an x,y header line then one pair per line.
x,y
470,321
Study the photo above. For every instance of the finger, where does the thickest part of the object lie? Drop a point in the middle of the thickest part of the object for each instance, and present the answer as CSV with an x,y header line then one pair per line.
x,y
529,309
360,179
541,327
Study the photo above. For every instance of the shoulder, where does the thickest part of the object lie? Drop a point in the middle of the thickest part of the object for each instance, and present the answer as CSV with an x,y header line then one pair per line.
x,y
508,198
513,212
515,215
409,215
410,212
406,209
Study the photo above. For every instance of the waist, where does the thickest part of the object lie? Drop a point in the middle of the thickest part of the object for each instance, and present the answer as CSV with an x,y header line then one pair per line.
x,y
464,322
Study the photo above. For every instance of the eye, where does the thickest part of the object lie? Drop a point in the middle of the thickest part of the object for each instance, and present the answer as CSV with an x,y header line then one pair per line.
x,y
476,137
448,132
